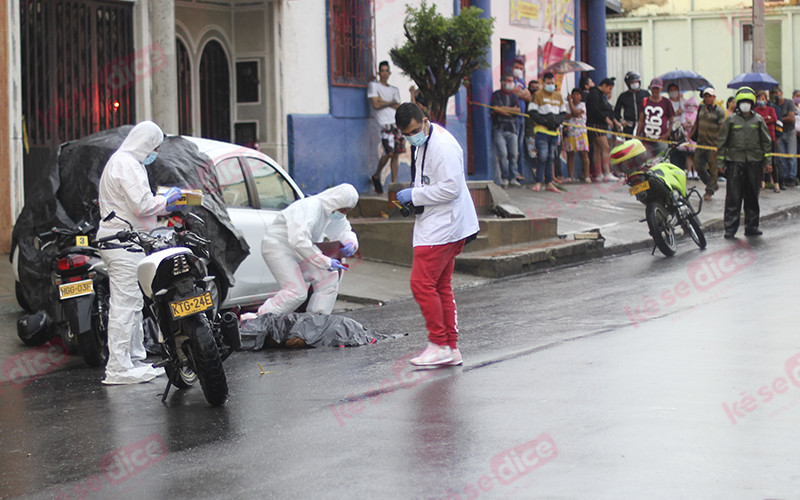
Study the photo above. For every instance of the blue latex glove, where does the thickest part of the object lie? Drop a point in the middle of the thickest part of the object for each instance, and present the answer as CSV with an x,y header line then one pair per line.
x,y
172,195
171,207
336,265
349,249
404,196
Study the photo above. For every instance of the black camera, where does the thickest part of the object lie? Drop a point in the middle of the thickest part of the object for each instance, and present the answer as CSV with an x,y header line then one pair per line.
x,y
409,208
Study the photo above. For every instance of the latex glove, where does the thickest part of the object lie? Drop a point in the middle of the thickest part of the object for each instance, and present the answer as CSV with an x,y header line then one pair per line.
x,y
247,316
172,207
172,195
404,196
349,249
336,265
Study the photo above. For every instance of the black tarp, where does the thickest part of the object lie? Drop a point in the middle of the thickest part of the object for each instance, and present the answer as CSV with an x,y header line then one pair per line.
x,y
70,181
316,330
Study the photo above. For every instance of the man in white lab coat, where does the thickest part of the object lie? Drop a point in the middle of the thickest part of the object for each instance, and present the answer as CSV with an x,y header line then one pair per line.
x,y
445,219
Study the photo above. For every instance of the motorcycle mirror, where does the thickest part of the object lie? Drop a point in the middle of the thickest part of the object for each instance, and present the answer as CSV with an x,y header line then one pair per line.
x,y
196,219
110,216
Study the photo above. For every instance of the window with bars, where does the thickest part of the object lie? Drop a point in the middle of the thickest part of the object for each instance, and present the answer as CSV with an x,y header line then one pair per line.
x,y
351,41
624,38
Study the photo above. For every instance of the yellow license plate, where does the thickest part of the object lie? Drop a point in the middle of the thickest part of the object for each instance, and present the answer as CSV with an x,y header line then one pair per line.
x,y
644,186
70,290
81,241
193,305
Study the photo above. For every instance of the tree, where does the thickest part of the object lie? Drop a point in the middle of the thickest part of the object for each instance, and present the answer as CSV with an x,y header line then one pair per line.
x,y
440,53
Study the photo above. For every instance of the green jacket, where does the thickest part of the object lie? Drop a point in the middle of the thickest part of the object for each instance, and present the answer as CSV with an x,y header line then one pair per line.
x,y
744,139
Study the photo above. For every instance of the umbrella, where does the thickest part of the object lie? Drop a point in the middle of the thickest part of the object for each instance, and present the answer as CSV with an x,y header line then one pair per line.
x,y
684,79
567,66
756,81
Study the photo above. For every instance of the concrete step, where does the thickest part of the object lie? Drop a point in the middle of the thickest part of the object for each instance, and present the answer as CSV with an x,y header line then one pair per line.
x,y
524,258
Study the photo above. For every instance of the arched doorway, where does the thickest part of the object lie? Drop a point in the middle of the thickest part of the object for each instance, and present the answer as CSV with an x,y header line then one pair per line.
x,y
215,104
184,89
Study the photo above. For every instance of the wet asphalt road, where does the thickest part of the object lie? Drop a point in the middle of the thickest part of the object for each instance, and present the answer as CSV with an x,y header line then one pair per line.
x,y
633,377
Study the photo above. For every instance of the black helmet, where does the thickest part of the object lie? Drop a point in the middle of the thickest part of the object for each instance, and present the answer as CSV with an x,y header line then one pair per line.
x,y
34,329
632,76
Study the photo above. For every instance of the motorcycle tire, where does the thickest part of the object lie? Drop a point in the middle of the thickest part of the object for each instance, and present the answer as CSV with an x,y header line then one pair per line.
x,y
93,345
660,229
206,358
695,230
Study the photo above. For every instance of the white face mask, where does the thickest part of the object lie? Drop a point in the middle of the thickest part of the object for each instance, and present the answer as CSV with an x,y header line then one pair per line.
x,y
509,86
745,107
337,215
635,86
517,73
673,94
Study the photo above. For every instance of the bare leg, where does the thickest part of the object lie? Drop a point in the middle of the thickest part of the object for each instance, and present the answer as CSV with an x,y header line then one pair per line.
x,y
395,166
381,164
585,160
571,164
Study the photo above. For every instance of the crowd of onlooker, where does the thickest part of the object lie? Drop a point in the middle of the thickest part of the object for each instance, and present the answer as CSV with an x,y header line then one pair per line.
x,y
553,134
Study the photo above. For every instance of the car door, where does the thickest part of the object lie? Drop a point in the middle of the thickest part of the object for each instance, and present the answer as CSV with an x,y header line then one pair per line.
x,y
251,280
274,191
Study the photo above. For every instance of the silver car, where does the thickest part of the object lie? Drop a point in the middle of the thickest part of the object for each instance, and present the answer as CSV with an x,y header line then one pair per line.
x,y
254,188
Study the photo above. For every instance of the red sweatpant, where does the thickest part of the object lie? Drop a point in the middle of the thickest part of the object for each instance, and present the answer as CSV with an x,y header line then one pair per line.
x,y
431,272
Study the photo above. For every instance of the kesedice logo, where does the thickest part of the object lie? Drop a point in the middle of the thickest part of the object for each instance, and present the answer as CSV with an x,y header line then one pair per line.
x,y
128,461
513,463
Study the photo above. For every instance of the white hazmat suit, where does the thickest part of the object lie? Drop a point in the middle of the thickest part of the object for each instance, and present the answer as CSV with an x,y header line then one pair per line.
x,y
289,251
125,189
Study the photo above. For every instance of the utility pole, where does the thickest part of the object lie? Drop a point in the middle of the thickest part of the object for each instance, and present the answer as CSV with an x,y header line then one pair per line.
x,y
759,38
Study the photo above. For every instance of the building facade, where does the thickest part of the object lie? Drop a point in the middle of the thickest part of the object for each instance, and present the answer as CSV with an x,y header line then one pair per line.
x,y
286,76
713,38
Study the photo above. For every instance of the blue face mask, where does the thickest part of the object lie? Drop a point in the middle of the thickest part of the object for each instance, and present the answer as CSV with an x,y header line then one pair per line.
x,y
417,139
150,158
550,88
337,215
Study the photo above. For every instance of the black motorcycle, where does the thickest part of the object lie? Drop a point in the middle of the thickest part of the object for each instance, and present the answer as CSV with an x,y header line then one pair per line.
x,y
174,279
79,304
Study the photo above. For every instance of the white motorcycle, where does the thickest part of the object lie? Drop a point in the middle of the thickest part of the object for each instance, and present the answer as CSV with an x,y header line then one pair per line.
x,y
177,289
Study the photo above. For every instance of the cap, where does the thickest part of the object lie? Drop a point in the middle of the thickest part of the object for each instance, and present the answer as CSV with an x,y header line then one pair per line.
x,y
710,91
656,82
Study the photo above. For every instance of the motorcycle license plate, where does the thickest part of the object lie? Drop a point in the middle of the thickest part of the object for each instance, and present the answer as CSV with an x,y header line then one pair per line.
x,y
81,241
70,290
192,305
644,186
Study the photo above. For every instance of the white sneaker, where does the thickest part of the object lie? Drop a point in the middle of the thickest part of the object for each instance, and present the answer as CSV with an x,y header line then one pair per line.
x,y
433,355
456,358
514,183
133,376
610,178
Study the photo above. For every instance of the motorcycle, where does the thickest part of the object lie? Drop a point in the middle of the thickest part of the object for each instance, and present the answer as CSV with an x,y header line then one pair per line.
x,y
80,289
661,187
173,276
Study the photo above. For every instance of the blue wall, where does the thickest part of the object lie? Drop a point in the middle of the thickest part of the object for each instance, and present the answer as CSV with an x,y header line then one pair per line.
x,y
325,150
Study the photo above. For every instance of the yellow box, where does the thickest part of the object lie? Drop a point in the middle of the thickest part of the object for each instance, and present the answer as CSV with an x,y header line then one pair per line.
x,y
193,197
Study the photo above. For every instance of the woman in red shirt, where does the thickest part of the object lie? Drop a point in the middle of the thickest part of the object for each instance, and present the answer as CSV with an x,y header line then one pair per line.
x,y
770,117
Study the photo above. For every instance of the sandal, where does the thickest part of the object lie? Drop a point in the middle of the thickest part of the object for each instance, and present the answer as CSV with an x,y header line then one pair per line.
x,y
536,187
377,183
553,189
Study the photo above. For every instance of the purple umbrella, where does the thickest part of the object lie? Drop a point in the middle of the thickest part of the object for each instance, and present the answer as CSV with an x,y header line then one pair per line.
x,y
756,81
685,80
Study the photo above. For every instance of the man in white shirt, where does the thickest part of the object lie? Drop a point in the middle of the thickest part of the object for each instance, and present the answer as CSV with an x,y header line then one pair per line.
x,y
385,99
445,219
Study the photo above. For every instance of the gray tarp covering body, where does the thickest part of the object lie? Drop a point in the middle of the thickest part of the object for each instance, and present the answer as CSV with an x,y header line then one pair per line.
x,y
71,181
317,330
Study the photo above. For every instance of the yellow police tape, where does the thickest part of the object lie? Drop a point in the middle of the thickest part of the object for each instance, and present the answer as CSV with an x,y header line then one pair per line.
x,y
629,136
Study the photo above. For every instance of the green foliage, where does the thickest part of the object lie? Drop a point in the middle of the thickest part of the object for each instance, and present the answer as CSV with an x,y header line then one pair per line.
x,y
440,53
